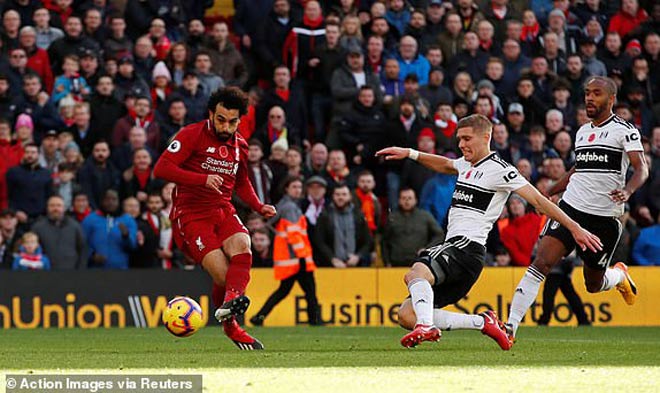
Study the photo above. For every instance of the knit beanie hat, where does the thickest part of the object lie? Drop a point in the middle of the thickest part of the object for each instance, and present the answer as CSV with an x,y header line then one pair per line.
x,y
24,120
160,69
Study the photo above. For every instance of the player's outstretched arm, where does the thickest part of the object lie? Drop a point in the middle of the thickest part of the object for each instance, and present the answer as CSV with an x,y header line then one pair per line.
x,y
583,238
641,173
431,161
562,183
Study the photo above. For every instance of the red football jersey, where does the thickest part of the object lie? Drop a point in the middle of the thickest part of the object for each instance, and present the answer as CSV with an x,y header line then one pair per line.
x,y
196,152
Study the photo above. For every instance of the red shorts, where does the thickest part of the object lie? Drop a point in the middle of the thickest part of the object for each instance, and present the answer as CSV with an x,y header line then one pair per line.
x,y
197,237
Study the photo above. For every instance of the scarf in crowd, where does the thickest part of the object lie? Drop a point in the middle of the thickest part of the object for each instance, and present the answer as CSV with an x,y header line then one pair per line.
x,y
141,123
142,177
313,23
529,33
368,208
31,261
446,127
338,176
274,135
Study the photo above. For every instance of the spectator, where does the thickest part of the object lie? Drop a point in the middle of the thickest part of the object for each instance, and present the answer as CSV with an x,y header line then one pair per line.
x,y
392,86
161,43
411,62
81,129
292,254
193,96
10,155
463,88
434,92
145,253
105,109
160,223
80,208
337,171
24,131
562,145
381,28
7,99
398,15
520,235
317,159
500,143
161,86
17,68
514,63
28,186
408,230
259,173
576,76
166,193
143,59
351,35
176,118
538,151
262,255
471,59
646,251
270,36
592,65
61,237
361,128
435,12
110,234
413,174
287,95
70,83
326,59
65,186
566,35
49,153
628,19
561,97
515,120
98,174
485,32
90,69
367,202
554,123
127,80
209,81
46,34
117,43
498,13
535,109
94,27
348,79
37,58
612,54
553,54
589,10
138,180
375,56
451,39
226,60
10,235
277,127
72,43
142,116
30,255
313,206
342,234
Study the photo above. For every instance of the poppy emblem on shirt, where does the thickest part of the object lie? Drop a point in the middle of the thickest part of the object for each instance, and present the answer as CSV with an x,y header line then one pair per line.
x,y
592,137
467,176
223,151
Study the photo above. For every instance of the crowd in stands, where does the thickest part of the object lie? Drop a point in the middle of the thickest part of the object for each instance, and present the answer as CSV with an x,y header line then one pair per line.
x,y
91,91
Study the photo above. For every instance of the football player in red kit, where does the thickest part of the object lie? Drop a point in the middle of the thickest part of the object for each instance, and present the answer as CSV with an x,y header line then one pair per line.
x,y
208,161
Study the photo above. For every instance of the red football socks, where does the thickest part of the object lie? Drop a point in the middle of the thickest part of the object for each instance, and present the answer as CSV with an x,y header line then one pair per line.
x,y
238,275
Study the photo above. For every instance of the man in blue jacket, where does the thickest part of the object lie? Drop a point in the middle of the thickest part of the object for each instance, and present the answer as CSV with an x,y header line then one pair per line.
x,y
29,185
646,250
110,234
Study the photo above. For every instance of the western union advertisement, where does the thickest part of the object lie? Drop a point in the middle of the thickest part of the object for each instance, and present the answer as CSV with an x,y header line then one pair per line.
x,y
347,297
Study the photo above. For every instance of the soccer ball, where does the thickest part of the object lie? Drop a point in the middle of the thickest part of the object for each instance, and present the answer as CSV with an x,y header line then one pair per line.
x,y
183,316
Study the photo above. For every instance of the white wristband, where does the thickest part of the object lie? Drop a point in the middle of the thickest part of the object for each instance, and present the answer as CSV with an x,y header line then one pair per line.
x,y
413,154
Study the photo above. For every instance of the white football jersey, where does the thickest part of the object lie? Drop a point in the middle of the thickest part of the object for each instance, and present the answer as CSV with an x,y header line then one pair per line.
x,y
481,192
601,163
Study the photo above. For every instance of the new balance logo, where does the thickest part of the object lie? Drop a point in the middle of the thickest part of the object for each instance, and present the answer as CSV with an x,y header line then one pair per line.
x,y
199,243
520,290
420,301
210,150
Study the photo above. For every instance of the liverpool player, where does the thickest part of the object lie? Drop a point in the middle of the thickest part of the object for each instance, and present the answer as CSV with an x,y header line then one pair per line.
x,y
208,161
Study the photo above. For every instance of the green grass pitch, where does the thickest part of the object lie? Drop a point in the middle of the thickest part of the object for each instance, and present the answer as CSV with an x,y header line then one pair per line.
x,y
361,359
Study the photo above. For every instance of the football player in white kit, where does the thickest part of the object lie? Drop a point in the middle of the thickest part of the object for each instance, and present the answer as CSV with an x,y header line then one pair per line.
x,y
596,190
444,274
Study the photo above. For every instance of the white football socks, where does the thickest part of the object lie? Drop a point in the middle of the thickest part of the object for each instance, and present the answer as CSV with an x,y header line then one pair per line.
x,y
447,320
526,292
421,296
611,278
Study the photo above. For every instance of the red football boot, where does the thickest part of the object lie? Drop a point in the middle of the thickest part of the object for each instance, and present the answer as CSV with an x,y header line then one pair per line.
x,y
240,337
419,334
494,328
